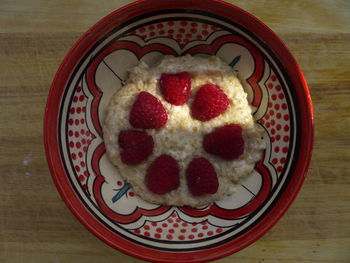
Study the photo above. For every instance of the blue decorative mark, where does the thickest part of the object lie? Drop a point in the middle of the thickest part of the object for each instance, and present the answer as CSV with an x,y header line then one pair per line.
x,y
122,191
234,61
115,74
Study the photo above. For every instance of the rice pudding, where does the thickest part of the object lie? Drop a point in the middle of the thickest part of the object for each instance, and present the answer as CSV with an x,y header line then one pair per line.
x,y
183,133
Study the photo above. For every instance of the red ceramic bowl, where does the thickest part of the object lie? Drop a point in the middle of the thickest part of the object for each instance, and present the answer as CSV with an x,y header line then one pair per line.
x,y
95,67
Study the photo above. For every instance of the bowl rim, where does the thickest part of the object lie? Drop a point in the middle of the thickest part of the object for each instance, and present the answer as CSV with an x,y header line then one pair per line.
x,y
55,162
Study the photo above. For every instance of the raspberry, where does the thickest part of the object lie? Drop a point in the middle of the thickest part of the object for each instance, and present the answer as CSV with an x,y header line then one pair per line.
x,y
226,142
201,177
175,88
147,112
136,145
163,175
210,101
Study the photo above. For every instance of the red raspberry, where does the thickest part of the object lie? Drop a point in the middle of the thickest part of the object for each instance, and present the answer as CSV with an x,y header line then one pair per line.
x,y
147,112
163,175
226,142
136,145
210,101
201,177
175,88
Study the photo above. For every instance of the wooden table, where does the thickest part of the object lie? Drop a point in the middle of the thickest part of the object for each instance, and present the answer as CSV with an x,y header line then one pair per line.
x,y
35,224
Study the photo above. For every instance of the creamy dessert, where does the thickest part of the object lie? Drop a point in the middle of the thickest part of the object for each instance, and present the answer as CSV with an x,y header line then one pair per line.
x,y
182,132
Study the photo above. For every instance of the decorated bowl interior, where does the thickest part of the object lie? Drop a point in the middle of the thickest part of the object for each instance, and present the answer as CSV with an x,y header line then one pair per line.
x,y
99,196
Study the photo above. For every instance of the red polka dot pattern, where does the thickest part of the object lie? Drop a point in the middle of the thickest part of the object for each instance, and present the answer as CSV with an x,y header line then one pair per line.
x,y
174,228
79,136
276,122
181,31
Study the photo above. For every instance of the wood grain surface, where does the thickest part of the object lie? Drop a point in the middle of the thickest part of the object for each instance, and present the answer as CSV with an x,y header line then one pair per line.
x,y
35,224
